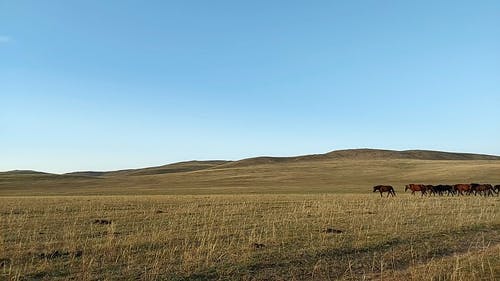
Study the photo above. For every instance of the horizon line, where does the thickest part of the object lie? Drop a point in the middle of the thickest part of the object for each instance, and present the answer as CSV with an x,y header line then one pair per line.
x,y
252,157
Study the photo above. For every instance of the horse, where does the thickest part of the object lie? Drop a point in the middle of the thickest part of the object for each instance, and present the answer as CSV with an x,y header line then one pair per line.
x,y
484,189
416,187
430,189
449,188
442,188
384,188
496,189
461,188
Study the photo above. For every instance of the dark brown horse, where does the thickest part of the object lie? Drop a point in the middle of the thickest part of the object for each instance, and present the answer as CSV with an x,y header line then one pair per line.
x,y
429,188
384,188
416,187
496,189
442,189
482,189
462,188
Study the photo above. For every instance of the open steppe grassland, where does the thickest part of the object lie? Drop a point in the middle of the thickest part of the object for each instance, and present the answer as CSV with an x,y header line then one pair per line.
x,y
250,237
305,176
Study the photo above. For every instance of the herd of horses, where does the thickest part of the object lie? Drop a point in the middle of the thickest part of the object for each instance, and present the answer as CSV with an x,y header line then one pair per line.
x,y
443,189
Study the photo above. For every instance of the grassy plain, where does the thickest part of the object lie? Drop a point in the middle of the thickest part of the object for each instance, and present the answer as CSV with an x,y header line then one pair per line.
x,y
302,218
250,237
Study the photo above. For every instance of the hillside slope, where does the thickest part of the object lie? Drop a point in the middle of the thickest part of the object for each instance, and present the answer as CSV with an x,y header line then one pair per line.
x,y
187,166
364,154
338,171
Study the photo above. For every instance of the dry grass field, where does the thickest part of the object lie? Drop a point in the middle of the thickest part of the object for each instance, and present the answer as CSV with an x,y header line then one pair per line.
x,y
309,218
250,237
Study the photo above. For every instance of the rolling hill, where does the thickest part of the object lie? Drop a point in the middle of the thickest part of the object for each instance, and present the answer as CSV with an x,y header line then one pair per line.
x,y
366,154
187,166
337,171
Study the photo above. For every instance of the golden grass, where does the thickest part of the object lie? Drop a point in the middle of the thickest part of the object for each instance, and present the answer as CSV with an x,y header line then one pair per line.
x,y
305,218
325,176
250,237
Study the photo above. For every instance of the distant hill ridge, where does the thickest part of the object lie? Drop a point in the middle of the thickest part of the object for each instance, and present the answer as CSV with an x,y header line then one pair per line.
x,y
348,154
24,172
187,166
409,154
366,154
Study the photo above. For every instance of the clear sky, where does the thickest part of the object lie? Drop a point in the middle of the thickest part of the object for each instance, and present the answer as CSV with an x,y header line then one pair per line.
x,y
103,85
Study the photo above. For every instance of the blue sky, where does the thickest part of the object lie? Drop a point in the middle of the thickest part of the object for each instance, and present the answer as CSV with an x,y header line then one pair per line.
x,y
103,85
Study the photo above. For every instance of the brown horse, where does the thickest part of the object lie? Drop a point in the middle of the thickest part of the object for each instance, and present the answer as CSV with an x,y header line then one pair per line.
x,y
416,187
482,189
384,188
461,188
